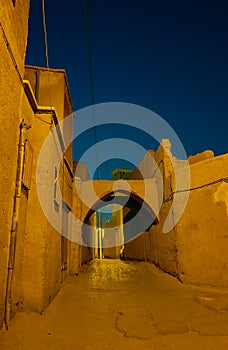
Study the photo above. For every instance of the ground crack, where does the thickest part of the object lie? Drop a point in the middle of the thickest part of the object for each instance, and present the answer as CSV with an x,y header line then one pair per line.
x,y
125,332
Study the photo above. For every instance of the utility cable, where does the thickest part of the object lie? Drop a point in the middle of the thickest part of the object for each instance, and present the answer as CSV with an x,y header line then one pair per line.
x,y
92,96
89,48
46,48
45,33
91,80
223,179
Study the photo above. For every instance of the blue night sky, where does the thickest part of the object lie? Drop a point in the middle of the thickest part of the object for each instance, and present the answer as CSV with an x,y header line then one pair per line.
x,y
168,56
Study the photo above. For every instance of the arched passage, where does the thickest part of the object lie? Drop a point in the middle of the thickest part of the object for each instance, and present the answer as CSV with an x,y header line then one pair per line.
x,y
93,192
135,217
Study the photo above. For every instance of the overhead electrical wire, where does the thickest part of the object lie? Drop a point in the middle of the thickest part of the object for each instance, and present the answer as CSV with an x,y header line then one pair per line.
x,y
91,80
89,48
45,33
223,179
92,96
46,48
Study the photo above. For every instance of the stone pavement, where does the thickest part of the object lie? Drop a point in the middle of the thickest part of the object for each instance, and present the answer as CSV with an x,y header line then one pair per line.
x,y
124,305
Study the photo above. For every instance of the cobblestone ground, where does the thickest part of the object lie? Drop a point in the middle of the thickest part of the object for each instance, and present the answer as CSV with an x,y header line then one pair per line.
x,y
124,305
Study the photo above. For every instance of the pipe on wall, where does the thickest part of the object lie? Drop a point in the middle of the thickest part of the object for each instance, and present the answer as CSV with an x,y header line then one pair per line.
x,y
15,217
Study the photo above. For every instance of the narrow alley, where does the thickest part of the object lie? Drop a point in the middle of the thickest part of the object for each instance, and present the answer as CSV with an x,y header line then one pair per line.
x,y
115,150
115,304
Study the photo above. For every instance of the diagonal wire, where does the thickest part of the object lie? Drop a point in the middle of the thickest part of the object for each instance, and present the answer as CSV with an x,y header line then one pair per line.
x,y
89,48
45,33
46,48
92,95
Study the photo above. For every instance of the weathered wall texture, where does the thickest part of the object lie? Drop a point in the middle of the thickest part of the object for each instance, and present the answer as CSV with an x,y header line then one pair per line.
x,y
202,232
43,257
75,248
84,232
46,250
13,105
42,244
196,249
154,245
58,96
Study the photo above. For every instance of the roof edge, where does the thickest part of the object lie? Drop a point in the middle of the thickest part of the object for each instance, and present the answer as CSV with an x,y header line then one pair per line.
x,y
54,70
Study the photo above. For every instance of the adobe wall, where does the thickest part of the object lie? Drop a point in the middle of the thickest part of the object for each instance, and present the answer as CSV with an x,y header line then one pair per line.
x,y
75,249
196,249
154,246
13,41
83,243
41,263
48,251
42,260
135,249
202,232
43,257
58,96
88,240
17,298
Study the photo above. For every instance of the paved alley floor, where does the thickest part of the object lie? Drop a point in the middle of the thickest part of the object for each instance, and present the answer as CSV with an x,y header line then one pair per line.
x,y
123,305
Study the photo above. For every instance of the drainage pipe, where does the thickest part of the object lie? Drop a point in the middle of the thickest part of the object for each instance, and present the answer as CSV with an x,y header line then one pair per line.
x,y
14,224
